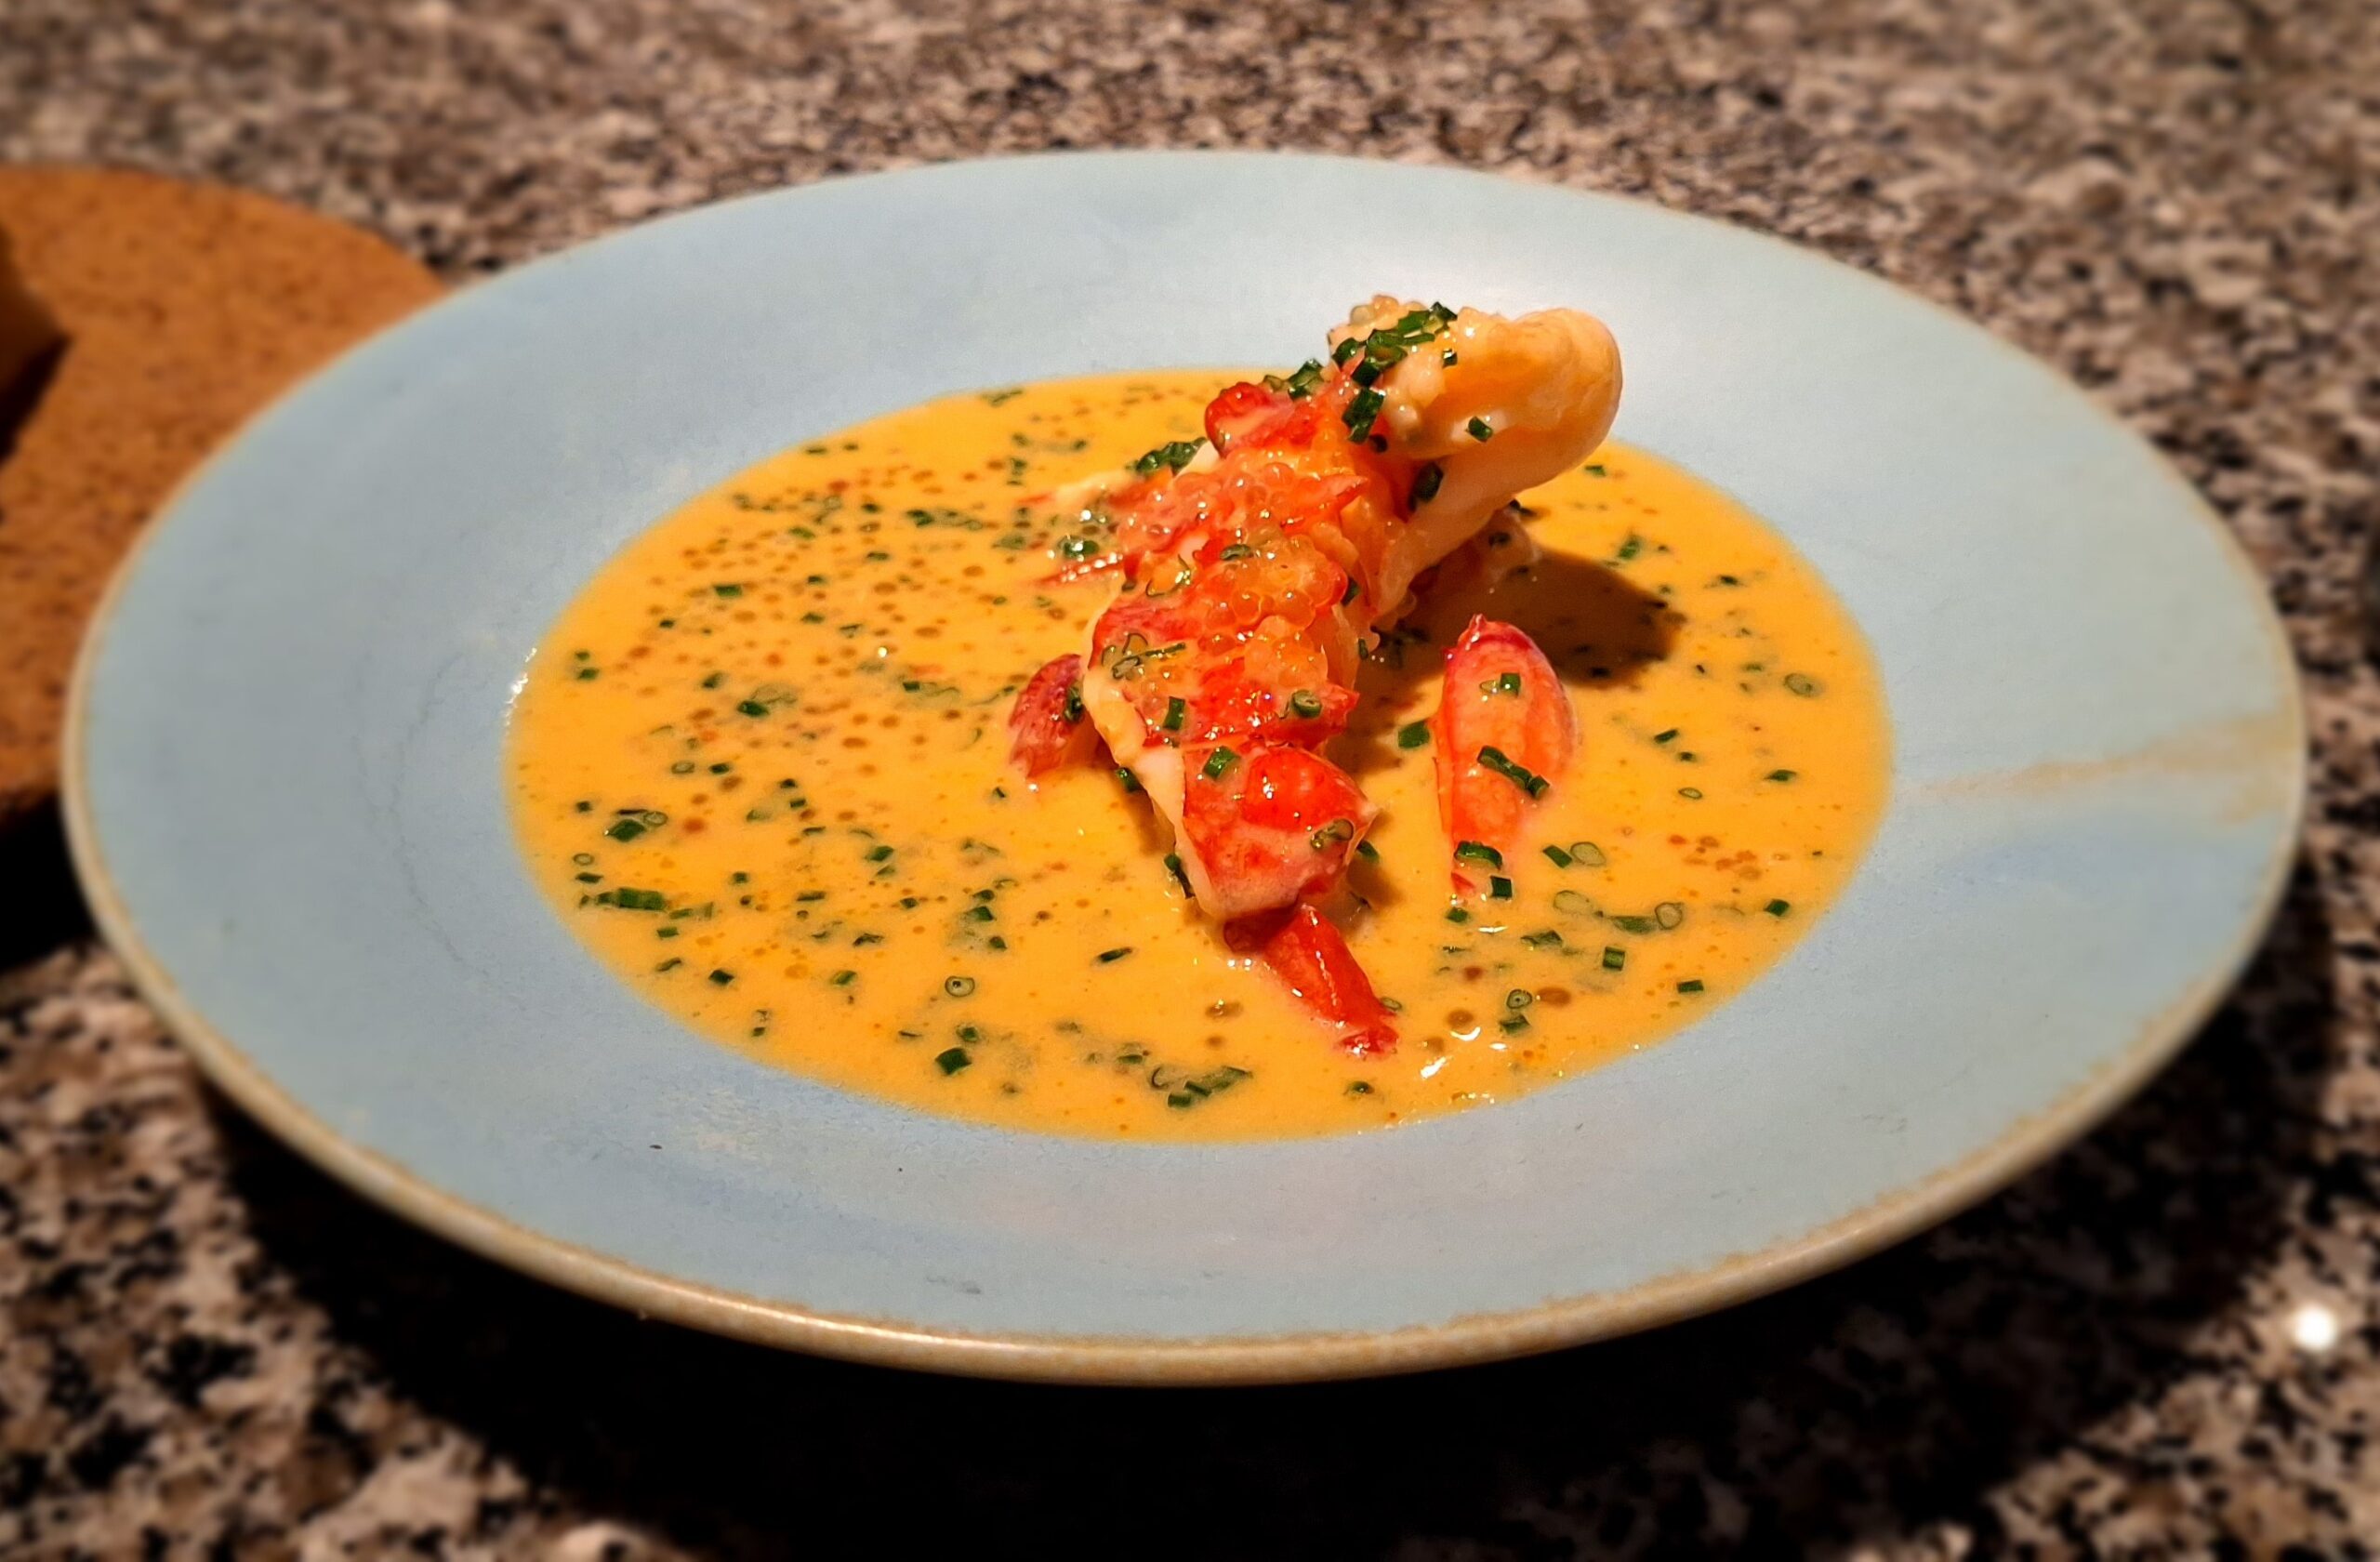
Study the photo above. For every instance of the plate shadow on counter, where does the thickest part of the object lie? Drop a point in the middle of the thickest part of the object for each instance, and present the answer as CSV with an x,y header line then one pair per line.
x,y
1898,1391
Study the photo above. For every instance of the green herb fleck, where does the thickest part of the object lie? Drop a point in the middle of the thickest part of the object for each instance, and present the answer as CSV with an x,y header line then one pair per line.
x,y
1171,457
1528,781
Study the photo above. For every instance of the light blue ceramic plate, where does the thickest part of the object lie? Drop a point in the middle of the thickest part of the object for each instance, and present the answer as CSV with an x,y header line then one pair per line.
x,y
284,790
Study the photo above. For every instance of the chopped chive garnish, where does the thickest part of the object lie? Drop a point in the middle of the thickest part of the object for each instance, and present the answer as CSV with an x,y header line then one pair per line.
x,y
1594,469
959,986
1175,709
1413,734
714,680
721,978
583,806
1362,410
1544,938
1109,956
1513,1024
1801,684
1448,358
1586,854
624,830
664,932
1528,781
1691,794
1331,834
1426,481
1690,987
1173,866
1217,764
1778,908
1498,887
843,978
1346,349
684,767
952,1060
587,675
879,853
1368,851
739,877
1664,737
590,877
1630,548
1073,707
751,708
1457,914
1481,430
979,913
1130,782
1173,456
1354,589
1479,851
1780,776
1614,957
1557,856
672,963
728,590
1634,924
1305,703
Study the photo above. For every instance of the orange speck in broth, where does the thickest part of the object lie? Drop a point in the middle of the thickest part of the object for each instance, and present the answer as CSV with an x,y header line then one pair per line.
x,y
916,921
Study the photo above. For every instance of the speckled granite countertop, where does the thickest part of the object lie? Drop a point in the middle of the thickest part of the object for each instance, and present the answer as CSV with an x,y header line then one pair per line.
x,y
2161,1345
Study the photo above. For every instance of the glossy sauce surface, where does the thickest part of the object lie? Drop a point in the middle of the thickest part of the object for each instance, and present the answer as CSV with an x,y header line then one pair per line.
x,y
760,766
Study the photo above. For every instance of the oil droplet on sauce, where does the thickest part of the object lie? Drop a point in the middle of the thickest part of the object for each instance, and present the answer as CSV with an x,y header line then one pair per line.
x,y
760,767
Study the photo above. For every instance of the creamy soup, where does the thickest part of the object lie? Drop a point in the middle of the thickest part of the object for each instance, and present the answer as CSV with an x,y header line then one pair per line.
x,y
760,764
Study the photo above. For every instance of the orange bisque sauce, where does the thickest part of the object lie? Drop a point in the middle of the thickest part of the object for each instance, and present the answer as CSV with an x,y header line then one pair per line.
x,y
760,765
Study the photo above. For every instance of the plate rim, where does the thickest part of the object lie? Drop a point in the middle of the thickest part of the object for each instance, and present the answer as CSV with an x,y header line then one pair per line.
x,y
1154,1361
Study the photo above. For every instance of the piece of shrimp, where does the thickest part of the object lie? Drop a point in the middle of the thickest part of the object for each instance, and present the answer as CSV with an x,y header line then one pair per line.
x,y
1254,570
1504,734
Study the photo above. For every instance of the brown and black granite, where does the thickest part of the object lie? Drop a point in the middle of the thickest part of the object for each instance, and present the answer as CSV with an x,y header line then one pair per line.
x,y
2161,1345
